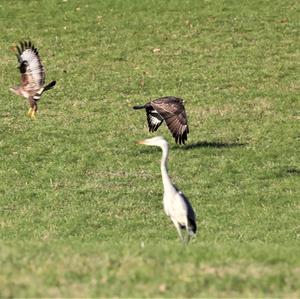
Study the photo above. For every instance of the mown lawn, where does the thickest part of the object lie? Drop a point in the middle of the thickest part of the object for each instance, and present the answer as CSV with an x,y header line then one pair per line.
x,y
81,204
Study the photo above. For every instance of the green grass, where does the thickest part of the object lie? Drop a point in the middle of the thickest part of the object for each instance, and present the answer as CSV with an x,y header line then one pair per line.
x,y
81,204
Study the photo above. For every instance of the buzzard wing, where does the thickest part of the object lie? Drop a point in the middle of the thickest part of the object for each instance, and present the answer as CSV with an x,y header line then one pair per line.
x,y
31,68
172,110
154,119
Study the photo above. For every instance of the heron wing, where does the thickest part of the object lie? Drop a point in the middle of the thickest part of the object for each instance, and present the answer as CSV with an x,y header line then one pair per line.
x,y
172,110
31,68
188,210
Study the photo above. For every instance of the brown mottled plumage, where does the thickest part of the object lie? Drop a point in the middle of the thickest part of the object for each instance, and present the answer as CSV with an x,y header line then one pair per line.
x,y
32,76
171,110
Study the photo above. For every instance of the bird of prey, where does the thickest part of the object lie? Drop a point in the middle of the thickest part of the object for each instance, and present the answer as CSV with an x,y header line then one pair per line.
x,y
176,205
32,76
168,109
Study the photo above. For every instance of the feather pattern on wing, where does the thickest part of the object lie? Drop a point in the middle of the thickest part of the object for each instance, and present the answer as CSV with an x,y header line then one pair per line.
x,y
171,109
31,68
154,120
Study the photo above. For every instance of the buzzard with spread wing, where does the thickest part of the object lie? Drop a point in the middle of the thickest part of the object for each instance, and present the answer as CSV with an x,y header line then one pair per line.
x,y
32,76
171,110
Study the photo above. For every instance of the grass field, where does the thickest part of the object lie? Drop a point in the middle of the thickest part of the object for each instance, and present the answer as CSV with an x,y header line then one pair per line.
x,y
81,204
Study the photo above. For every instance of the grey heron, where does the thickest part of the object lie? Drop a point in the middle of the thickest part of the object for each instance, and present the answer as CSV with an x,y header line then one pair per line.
x,y
176,205
32,76
172,111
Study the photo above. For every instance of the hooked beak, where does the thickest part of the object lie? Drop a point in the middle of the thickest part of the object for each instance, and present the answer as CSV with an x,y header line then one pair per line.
x,y
140,142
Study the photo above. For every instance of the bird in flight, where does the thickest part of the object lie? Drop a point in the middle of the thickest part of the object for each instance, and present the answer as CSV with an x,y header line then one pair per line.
x,y
32,76
176,205
168,109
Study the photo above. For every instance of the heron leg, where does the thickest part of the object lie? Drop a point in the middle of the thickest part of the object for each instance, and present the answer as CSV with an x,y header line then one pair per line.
x,y
178,230
188,237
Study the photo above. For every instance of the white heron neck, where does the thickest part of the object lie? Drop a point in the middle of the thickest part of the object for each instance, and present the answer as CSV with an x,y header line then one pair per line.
x,y
164,167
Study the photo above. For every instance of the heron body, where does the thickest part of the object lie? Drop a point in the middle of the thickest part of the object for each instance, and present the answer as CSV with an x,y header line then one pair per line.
x,y
32,76
172,111
176,205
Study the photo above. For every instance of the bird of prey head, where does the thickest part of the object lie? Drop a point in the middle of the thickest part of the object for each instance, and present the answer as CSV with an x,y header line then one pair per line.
x,y
32,76
168,109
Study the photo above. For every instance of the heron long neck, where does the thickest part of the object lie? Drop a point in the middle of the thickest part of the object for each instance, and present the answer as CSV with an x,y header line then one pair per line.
x,y
164,167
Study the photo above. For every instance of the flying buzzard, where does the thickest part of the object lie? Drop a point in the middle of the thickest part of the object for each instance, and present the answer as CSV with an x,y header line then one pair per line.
x,y
32,76
171,110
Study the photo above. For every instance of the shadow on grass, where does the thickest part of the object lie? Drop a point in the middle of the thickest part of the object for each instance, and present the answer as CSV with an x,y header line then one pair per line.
x,y
293,171
203,144
200,144
290,172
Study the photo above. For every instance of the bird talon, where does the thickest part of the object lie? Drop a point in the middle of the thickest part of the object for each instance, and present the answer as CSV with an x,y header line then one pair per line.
x,y
33,113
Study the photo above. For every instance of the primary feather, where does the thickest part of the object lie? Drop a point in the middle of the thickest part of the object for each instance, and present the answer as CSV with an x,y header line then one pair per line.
x,y
30,65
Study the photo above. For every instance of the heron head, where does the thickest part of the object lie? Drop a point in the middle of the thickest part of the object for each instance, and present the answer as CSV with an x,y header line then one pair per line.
x,y
155,141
